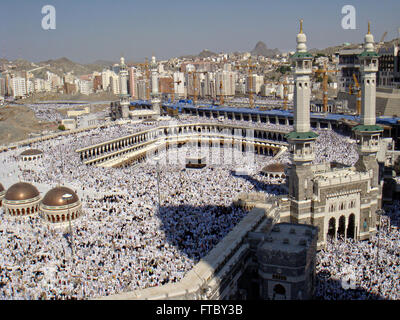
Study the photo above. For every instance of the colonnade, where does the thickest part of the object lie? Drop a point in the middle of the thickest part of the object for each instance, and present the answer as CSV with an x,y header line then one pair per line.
x,y
256,116
108,150
23,211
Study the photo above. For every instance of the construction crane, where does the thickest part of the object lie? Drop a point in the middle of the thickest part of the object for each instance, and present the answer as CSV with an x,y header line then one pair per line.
x,y
381,42
27,75
285,84
195,84
324,73
358,94
172,87
221,96
250,67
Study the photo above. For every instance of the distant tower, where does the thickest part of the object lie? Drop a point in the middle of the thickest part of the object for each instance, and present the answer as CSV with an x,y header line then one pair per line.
x,y
155,97
301,139
368,133
124,97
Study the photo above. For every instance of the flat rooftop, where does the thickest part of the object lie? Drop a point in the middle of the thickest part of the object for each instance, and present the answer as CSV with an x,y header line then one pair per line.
x,y
289,237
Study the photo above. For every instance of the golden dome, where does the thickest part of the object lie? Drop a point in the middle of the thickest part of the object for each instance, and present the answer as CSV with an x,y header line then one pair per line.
x,y
54,197
21,191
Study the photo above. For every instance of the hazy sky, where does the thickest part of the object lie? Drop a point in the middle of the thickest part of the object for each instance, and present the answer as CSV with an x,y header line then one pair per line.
x,y
89,30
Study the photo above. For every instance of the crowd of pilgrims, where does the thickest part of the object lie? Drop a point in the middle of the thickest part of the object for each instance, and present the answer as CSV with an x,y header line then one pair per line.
x,y
51,112
124,242
371,268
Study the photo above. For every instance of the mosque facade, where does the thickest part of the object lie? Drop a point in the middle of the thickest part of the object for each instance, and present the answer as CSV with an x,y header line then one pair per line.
x,y
340,200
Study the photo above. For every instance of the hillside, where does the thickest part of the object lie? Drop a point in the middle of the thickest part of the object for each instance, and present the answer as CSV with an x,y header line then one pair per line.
x,y
261,49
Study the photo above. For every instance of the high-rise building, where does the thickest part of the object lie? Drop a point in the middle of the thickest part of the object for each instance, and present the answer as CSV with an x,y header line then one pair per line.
x,y
97,83
132,82
18,87
179,84
114,84
106,79
389,67
2,87
349,64
257,82
225,83
86,87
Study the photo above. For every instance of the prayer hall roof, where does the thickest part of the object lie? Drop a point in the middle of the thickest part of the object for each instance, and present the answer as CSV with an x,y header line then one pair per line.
x,y
54,197
21,191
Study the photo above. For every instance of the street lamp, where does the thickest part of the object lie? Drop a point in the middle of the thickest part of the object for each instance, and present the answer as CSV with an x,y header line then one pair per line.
x,y
67,197
157,159
379,213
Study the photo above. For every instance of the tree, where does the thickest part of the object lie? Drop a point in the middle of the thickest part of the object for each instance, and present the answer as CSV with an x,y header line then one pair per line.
x,y
283,69
61,127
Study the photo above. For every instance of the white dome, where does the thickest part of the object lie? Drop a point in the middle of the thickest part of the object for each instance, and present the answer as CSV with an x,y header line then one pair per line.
x,y
369,42
301,42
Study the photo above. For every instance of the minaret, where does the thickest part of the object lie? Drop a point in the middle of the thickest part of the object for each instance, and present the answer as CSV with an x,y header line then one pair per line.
x,y
301,139
368,133
155,99
124,97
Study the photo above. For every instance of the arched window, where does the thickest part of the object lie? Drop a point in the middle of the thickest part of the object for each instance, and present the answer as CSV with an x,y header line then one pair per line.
x,y
342,226
351,226
331,228
279,292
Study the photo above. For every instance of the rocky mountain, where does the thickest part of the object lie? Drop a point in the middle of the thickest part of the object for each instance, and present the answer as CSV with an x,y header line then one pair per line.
x,y
261,49
331,50
203,54
64,65
206,54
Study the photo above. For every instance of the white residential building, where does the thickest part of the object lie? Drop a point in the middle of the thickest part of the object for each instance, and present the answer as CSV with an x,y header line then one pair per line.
x,y
258,81
18,87
86,87
105,77
179,84
227,81
115,84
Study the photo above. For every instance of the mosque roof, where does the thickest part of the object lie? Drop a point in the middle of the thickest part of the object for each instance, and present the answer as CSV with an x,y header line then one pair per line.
x,y
302,55
275,167
31,152
368,128
21,191
54,197
301,135
368,54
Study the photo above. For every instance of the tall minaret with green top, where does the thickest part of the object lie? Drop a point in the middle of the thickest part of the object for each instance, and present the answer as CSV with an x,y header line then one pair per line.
x,y
301,139
368,133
